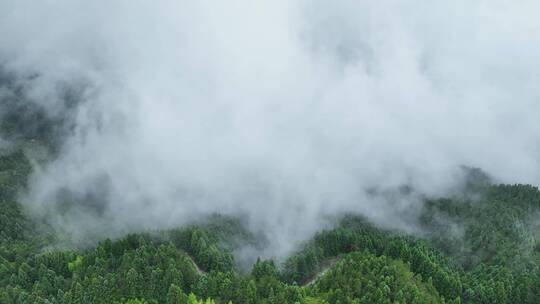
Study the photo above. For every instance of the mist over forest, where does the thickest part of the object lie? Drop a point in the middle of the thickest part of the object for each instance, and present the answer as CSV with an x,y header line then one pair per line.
x,y
277,152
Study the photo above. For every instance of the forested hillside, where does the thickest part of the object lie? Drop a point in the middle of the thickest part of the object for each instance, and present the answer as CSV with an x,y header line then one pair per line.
x,y
480,247
269,152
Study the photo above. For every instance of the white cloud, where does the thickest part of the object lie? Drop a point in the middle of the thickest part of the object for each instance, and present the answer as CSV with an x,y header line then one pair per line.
x,y
281,111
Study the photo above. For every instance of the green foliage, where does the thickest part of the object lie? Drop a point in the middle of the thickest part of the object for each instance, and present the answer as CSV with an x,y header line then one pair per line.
x,y
373,279
356,234
76,264
204,246
480,247
14,169
493,234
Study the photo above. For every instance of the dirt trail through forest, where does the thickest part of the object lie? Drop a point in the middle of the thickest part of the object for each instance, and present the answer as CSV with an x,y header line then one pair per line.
x,y
326,265
199,269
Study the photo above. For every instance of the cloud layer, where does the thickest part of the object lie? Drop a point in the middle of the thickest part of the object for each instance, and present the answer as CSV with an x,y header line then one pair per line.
x,y
284,111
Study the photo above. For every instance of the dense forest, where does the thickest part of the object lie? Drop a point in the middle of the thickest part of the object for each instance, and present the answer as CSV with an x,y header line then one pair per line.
x,y
481,246
269,152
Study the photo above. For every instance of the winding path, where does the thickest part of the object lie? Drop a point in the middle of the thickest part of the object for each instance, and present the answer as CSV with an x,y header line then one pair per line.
x,y
325,267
